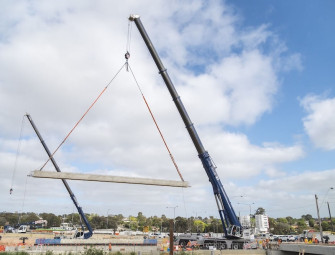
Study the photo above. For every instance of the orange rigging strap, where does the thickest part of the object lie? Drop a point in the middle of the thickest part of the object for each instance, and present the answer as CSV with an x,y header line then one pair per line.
x,y
152,116
83,116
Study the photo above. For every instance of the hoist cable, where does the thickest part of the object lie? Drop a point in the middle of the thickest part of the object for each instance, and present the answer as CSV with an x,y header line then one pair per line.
x,y
152,116
83,116
130,24
17,156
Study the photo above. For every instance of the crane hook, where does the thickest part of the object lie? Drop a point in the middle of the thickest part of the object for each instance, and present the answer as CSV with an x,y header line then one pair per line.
x,y
127,56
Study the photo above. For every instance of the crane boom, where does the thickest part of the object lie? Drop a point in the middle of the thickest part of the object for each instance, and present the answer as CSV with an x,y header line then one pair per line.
x,y
232,226
80,210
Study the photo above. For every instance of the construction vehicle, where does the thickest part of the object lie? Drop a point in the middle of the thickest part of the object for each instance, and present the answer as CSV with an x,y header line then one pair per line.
x,y
28,226
233,232
81,234
23,229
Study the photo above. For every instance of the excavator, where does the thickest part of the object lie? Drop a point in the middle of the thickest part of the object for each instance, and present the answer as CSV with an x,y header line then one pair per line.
x,y
232,228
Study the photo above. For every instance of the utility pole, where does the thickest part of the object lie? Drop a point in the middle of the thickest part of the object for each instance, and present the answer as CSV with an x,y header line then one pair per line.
x,y
171,236
317,209
330,216
174,215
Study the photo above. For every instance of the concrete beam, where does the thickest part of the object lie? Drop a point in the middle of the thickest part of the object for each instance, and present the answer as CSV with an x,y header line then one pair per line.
x,y
107,178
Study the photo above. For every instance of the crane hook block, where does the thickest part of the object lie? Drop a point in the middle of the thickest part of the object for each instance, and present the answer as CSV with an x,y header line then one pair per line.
x,y
127,55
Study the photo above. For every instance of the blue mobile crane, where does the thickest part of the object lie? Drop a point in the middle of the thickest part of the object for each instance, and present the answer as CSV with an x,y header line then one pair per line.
x,y
233,232
79,234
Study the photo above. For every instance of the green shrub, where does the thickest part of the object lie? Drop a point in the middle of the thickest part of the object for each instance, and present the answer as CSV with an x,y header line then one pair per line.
x,y
14,253
94,251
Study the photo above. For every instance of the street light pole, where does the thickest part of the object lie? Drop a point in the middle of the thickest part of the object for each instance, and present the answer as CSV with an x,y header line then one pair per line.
x,y
330,217
317,209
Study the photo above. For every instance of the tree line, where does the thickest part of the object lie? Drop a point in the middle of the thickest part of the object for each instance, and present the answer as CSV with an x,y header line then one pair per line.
x,y
278,226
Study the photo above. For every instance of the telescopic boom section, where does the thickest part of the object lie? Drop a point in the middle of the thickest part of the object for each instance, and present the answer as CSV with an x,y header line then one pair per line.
x,y
230,222
80,211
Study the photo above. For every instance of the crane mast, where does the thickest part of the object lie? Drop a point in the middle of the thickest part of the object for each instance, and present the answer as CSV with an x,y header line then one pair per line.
x,y
73,198
231,225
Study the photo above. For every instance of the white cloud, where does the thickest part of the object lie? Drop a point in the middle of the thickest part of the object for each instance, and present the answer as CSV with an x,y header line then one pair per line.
x,y
319,124
289,195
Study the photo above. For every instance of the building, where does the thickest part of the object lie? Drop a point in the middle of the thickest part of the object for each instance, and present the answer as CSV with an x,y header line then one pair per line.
x,y
262,223
245,221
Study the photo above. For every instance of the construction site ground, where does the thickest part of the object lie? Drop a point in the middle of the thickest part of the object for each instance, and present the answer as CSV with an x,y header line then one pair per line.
x,y
12,242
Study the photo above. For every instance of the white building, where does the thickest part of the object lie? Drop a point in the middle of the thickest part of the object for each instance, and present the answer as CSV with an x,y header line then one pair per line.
x,y
245,221
262,223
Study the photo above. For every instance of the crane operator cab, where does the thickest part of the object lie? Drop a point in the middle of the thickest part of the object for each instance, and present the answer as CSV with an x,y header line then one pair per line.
x,y
235,231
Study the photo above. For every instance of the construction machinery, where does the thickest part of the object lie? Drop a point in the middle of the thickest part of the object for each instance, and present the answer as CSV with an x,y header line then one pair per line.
x,y
81,234
233,232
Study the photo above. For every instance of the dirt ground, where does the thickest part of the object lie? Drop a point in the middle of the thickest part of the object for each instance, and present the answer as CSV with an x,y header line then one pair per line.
x,y
14,239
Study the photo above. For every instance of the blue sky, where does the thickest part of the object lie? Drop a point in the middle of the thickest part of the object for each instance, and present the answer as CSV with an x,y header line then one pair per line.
x,y
255,77
305,27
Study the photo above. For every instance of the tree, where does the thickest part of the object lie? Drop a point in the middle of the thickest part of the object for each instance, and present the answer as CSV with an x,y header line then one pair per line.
x,y
52,219
2,221
290,220
332,224
260,210
200,225
281,229
325,225
272,224
141,219
301,225
311,223
28,217
181,225
282,220
113,222
307,217
214,225
97,221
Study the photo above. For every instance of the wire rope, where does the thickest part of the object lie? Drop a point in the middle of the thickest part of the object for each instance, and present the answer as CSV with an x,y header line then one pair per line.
x,y
82,117
130,25
153,118
17,156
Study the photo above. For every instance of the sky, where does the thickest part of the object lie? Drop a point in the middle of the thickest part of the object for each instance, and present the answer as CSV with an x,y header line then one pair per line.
x,y
256,78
